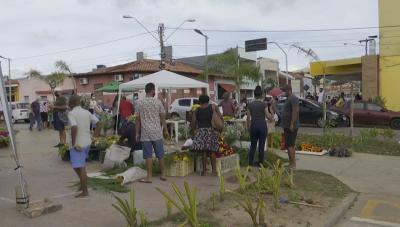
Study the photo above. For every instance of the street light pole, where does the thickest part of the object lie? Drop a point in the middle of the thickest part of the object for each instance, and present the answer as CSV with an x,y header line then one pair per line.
x,y
366,41
286,60
206,49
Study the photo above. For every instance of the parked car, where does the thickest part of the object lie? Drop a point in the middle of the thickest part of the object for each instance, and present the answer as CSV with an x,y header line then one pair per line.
x,y
179,107
369,113
310,113
20,111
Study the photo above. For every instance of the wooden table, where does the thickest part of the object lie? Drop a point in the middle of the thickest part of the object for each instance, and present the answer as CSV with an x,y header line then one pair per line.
x,y
176,128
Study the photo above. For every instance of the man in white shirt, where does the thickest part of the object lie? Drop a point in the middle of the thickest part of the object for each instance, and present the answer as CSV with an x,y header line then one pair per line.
x,y
80,120
321,96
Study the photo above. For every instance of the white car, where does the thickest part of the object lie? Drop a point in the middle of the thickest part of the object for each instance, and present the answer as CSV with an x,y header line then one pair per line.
x,y
20,111
179,107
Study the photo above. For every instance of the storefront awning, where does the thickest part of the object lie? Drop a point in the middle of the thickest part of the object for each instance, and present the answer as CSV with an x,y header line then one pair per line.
x,y
228,87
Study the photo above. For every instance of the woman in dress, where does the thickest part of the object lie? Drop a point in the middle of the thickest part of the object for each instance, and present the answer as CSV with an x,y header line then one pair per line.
x,y
205,140
257,125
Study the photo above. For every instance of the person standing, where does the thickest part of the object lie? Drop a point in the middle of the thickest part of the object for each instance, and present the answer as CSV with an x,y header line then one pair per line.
x,y
321,96
125,110
341,101
80,120
290,123
92,103
60,117
257,125
205,140
150,125
44,109
228,107
35,107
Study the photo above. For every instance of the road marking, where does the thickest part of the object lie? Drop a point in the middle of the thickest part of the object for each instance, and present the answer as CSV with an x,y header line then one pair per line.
x,y
372,221
369,207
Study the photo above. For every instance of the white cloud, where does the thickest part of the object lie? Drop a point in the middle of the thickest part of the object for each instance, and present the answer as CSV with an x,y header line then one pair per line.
x,y
39,26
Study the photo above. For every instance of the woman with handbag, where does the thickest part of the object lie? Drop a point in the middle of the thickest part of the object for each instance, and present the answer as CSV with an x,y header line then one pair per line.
x,y
206,123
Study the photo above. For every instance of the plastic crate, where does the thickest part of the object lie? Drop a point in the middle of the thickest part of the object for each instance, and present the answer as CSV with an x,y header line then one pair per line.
x,y
224,164
180,168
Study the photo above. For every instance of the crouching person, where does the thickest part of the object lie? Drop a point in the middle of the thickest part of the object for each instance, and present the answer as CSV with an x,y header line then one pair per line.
x,y
80,120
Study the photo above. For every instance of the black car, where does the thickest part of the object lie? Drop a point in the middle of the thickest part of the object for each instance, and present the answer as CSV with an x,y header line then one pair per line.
x,y
312,114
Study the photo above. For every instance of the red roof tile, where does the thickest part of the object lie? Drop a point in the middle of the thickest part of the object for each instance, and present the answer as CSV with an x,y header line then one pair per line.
x,y
145,65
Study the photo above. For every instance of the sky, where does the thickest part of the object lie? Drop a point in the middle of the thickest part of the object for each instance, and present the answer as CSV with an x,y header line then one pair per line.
x,y
86,33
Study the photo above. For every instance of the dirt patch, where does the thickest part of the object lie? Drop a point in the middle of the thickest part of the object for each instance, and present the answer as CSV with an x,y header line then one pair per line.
x,y
314,188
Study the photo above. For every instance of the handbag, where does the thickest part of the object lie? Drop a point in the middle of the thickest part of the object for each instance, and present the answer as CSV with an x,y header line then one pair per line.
x,y
216,121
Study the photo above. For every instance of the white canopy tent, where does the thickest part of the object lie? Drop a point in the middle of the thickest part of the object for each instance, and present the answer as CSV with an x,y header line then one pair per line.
x,y
162,80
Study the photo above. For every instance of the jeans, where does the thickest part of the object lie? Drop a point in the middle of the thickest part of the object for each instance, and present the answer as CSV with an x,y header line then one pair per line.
x,y
36,118
258,133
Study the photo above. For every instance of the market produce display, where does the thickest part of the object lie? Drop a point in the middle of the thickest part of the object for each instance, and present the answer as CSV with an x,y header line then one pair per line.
x,y
224,149
309,147
103,143
4,139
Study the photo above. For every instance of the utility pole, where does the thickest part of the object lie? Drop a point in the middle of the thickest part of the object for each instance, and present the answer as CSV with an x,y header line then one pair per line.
x,y
9,79
162,55
366,41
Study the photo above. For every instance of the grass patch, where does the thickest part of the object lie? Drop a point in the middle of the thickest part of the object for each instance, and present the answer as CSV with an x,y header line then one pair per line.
x,y
327,185
104,185
359,144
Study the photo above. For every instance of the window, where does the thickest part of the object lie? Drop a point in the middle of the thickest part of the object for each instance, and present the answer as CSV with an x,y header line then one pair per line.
x,y
358,106
373,107
44,98
26,98
184,102
119,77
83,81
137,76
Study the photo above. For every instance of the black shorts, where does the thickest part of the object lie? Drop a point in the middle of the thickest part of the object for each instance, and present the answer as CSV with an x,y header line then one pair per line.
x,y
290,137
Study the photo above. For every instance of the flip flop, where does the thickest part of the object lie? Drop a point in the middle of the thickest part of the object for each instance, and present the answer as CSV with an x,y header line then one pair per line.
x,y
163,178
145,181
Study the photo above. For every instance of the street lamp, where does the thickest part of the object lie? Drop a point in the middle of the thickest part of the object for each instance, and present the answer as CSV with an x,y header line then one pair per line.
x,y
9,76
144,27
286,61
176,29
206,47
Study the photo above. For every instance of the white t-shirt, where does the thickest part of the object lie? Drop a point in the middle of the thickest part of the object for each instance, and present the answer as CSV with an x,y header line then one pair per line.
x,y
92,104
321,97
82,118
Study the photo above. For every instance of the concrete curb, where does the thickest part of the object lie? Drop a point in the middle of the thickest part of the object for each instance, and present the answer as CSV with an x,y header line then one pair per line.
x,y
340,210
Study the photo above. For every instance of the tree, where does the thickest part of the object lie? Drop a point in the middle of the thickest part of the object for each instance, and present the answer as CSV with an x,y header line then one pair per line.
x,y
55,78
228,63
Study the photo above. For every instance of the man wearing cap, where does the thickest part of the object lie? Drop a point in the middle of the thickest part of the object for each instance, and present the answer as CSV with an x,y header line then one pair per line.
x,y
290,123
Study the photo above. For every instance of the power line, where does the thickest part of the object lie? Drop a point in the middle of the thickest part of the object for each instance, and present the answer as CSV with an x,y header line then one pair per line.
x,y
294,30
82,47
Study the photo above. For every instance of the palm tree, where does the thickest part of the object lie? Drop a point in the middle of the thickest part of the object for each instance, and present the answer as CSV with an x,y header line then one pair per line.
x,y
56,78
228,63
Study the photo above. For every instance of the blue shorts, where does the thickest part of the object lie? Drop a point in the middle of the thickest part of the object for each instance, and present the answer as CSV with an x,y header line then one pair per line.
x,y
78,158
148,146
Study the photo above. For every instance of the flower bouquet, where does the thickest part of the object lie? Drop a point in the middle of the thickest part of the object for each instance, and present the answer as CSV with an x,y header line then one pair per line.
x,y
4,139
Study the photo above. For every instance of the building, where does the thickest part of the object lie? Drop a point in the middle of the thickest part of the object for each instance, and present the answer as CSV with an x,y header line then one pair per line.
x,y
389,56
88,82
14,86
379,75
31,88
269,69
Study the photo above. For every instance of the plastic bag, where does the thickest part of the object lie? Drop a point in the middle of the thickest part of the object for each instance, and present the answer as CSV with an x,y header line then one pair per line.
x,y
132,174
115,156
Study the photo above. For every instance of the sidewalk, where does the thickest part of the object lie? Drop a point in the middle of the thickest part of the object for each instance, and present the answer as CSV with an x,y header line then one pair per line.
x,y
376,177
49,177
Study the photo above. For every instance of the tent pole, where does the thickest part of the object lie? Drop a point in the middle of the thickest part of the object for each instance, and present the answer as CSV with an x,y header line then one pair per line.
x,y
119,100
7,119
